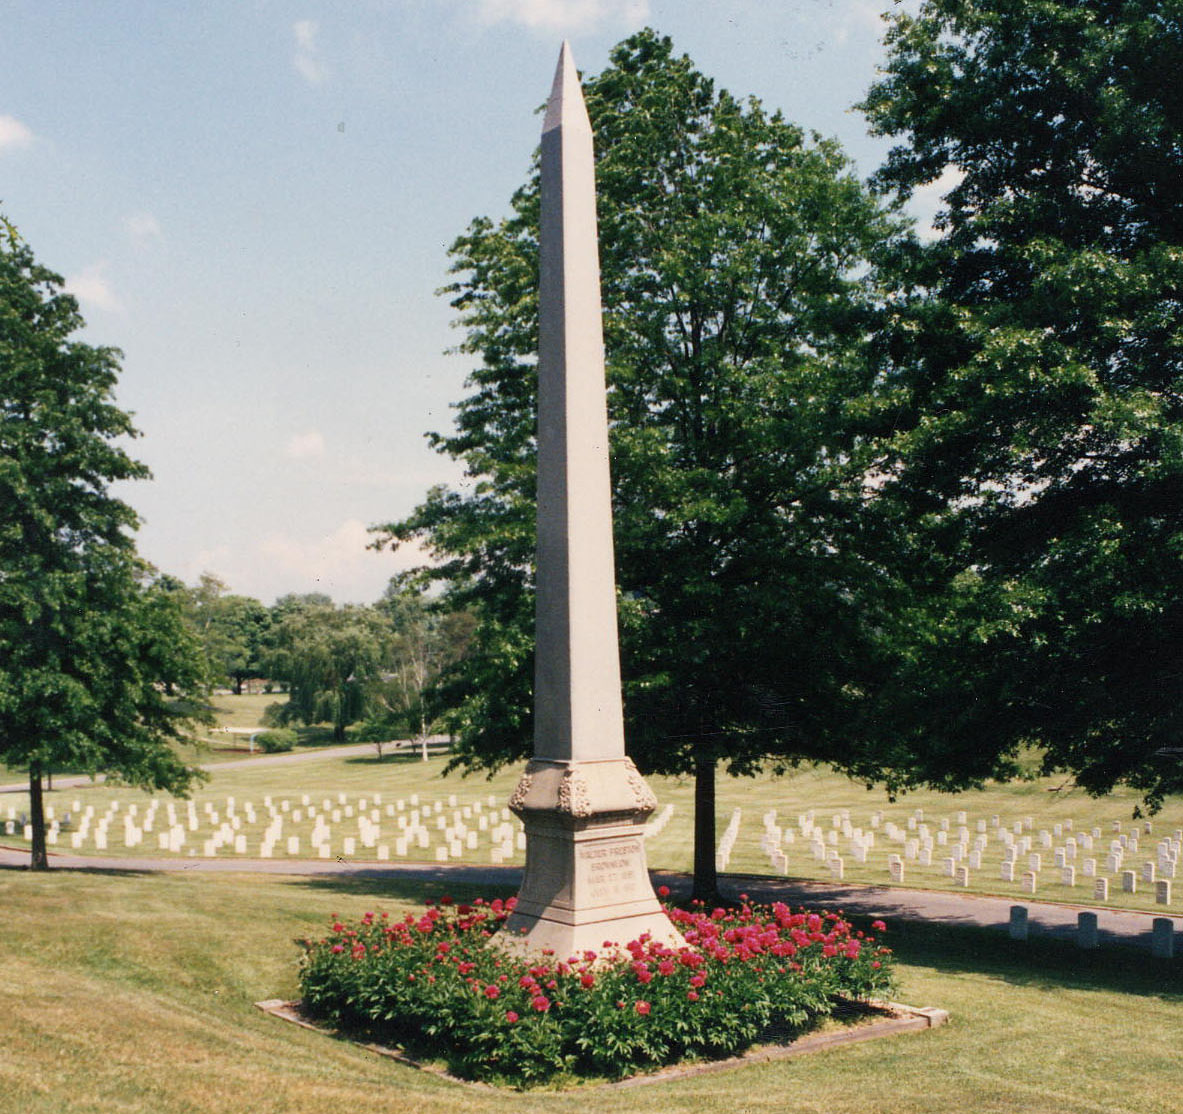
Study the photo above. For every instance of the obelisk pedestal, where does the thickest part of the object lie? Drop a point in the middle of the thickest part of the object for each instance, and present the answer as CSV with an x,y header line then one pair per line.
x,y
582,801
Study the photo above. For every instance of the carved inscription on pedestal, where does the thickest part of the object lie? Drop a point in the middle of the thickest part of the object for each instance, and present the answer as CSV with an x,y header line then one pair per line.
x,y
611,871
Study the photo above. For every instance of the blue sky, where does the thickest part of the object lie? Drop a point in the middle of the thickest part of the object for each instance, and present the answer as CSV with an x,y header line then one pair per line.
x,y
253,199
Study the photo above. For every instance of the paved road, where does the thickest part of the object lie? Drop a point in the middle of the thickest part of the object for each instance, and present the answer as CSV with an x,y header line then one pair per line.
x,y
889,902
77,781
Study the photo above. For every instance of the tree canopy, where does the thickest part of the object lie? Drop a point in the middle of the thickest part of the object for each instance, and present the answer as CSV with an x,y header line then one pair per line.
x,y
1037,402
739,297
233,630
329,658
97,672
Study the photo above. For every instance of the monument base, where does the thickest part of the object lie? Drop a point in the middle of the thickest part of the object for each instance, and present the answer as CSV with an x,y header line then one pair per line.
x,y
586,884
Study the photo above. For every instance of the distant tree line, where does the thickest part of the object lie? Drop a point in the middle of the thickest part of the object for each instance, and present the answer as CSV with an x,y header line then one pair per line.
x,y
368,666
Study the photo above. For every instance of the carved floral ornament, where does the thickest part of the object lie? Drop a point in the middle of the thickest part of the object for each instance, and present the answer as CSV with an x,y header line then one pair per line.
x,y
574,794
574,798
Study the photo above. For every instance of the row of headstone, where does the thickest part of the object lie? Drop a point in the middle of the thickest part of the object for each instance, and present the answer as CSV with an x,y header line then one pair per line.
x,y
657,823
959,849
1162,933
461,830
727,841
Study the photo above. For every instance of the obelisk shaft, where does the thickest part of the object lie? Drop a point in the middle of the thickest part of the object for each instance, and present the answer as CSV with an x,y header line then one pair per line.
x,y
581,800
577,676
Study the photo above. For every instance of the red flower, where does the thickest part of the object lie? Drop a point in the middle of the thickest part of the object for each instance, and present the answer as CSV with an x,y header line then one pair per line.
x,y
510,1016
692,995
492,992
879,926
540,1002
587,980
643,1008
663,891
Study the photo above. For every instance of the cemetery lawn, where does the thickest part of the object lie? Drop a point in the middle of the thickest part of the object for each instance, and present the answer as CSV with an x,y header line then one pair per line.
x,y
1044,802
135,993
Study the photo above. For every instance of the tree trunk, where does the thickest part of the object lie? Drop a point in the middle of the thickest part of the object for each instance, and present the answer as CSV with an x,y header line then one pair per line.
x,y
40,857
706,880
423,736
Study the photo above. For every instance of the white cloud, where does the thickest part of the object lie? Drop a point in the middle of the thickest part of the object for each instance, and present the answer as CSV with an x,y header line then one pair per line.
x,y
206,560
306,446
928,200
142,227
91,288
13,133
338,563
860,18
307,64
562,15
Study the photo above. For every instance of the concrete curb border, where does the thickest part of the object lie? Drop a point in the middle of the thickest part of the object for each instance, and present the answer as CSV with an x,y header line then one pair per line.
x,y
899,1019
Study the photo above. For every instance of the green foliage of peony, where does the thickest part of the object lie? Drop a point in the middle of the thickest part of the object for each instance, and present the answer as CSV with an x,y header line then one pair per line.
x,y
435,985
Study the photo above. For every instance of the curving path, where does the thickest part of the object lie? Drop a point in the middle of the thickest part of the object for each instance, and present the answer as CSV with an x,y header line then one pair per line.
x,y
77,781
1115,926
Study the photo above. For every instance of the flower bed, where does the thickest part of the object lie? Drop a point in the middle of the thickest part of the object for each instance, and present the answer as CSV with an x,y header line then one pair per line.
x,y
433,985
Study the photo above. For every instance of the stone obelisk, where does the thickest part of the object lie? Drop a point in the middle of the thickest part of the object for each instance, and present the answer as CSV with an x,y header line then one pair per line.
x,y
582,801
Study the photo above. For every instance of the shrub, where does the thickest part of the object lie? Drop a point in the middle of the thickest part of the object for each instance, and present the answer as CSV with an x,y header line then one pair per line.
x,y
274,742
273,714
433,984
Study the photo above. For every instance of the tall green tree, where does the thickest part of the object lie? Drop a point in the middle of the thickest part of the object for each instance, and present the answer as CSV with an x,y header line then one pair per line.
x,y
1037,402
329,658
428,637
735,255
233,630
97,672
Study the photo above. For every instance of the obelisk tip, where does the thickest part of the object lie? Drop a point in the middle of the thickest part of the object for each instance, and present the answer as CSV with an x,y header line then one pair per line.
x,y
565,94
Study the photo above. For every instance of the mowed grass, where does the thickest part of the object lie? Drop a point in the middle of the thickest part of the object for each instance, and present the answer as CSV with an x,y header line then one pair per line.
x,y
1043,802
134,993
